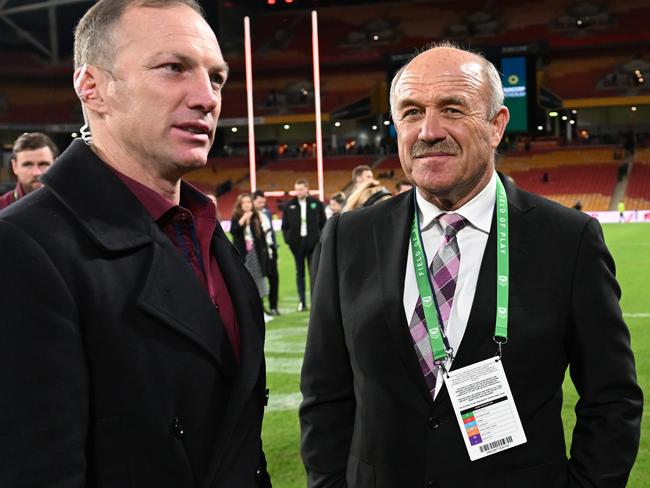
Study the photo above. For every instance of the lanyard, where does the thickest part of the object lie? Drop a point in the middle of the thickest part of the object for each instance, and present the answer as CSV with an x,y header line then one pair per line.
x,y
439,343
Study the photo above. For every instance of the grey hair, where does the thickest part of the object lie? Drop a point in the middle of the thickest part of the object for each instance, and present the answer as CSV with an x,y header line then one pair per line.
x,y
492,78
93,37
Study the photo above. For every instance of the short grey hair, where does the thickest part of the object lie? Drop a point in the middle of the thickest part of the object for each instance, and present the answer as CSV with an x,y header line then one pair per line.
x,y
93,37
492,77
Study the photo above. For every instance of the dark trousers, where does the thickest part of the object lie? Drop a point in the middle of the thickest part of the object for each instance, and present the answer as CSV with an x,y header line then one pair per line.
x,y
274,280
300,254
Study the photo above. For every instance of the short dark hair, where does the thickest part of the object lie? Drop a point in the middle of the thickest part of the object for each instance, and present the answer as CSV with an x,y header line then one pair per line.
x,y
302,181
30,141
339,197
359,170
401,183
258,194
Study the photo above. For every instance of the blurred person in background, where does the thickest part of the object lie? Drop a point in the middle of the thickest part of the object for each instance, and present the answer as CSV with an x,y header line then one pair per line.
x,y
367,194
249,239
360,174
403,186
141,361
266,218
33,153
302,221
336,204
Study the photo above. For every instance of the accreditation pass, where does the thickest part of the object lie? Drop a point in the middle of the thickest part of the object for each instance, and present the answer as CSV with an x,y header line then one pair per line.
x,y
484,408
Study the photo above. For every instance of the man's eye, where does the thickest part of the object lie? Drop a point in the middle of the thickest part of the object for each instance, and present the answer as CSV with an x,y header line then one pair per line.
x,y
452,111
411,112
175,67
217,80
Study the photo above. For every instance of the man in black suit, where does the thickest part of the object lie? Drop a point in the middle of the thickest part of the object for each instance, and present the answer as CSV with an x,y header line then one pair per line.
x,y
377,409
303,219
132,335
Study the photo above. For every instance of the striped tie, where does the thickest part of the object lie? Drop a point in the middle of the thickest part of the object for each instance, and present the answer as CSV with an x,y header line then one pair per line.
x,y
444,270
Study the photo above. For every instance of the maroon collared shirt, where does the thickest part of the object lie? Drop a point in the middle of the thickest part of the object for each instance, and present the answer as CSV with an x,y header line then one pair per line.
x,y
11,196
190,227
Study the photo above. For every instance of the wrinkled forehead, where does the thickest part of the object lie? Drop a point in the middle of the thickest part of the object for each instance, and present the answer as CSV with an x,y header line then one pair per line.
x,y
443,68
152,28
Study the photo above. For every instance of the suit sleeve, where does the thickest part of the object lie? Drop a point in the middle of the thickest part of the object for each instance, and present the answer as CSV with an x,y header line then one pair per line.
x,y
237,233
44,381
607,431
285,223
328,407
322,217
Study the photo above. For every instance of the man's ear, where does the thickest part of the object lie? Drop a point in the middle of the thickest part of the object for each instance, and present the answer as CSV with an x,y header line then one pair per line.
x,y
14,165
90,86
499,123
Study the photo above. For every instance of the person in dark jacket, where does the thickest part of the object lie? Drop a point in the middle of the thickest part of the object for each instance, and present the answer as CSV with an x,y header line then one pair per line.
x,y
302,222
249,239
132,351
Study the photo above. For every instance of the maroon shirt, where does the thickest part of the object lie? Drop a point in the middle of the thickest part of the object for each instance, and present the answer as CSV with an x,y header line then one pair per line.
x,y
11,196
190,227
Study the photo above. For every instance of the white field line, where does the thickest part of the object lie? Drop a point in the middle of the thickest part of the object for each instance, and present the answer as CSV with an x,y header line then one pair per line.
x,y
286,401
636,315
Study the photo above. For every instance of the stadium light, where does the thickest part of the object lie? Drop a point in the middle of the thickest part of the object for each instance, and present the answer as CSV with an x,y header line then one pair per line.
x,y
552,114
337,124
633,108
286,126
234,129
539,127
564,117
386,122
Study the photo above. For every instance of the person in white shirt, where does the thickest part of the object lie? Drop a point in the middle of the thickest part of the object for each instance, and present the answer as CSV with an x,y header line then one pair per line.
x,y
401,278
302,221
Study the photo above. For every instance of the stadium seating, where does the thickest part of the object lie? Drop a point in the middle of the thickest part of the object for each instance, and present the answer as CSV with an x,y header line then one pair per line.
x,y
637,196
576,174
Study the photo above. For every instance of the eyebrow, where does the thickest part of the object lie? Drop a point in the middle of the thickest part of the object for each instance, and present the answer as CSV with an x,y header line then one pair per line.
x,y
442,102
217,68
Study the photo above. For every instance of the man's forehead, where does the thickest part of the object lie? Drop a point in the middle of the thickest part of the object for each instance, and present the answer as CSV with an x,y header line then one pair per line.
x,y
176,26
447,66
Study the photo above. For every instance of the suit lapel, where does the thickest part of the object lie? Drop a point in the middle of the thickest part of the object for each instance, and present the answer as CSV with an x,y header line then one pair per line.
x,y
173,295
250,320
480,325
391,240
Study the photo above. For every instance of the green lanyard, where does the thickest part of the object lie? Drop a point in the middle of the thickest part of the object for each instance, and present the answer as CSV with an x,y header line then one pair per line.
x,y
439,343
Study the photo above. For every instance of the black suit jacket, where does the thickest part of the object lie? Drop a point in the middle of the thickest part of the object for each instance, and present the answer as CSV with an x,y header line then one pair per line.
x,y
367,417
116,370
291,223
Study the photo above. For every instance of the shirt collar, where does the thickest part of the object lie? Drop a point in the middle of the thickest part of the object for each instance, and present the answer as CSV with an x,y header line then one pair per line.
x,y
19,192
156,205
478,211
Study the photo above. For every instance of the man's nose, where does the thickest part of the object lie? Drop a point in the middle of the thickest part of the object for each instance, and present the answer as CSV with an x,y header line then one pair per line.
x,y
431,129
203,95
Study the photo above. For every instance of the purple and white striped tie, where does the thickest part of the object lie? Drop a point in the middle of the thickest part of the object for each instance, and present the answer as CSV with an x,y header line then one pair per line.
x,y
444,270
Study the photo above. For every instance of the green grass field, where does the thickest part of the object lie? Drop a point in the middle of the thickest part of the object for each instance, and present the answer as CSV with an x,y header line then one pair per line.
x,y
285,342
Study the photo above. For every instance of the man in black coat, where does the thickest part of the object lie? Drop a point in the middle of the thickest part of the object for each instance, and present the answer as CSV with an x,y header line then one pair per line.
x,y
303,219
377,411
132,335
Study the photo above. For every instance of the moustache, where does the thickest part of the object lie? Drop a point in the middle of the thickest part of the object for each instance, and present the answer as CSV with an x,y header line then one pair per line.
x,y
448,146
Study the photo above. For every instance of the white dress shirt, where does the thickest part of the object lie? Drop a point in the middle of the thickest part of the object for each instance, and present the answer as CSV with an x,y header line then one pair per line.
x,y
303,216
471,243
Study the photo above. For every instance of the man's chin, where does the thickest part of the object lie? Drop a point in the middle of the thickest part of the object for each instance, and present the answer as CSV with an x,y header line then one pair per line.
x,y
34,186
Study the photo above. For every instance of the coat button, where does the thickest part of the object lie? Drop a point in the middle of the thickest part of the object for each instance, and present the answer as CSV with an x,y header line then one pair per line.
x,y
266,397
177,428
433,423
